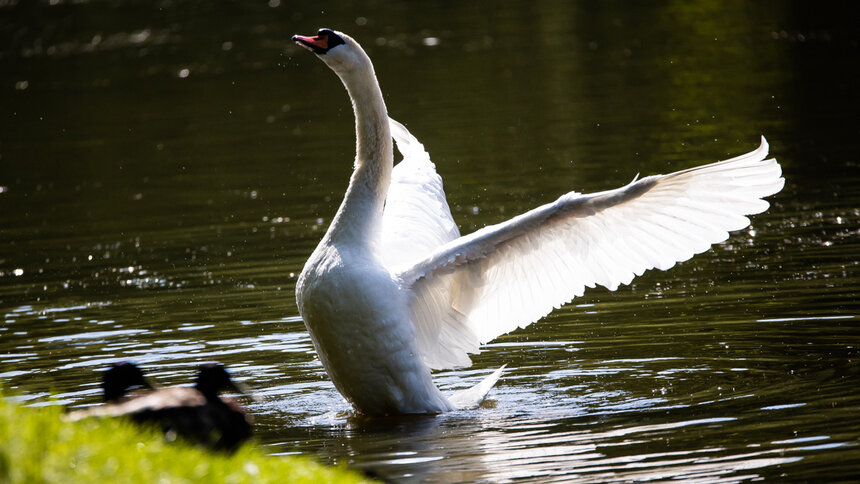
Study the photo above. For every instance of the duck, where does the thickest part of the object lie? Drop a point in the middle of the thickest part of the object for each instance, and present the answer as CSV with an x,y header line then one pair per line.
x,y
197,414
393,291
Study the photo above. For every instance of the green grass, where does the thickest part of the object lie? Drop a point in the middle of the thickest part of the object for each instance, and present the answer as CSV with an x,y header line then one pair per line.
x,y
37,446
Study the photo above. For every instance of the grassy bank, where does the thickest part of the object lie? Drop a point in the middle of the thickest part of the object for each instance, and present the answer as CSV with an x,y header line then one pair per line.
x,y
36,446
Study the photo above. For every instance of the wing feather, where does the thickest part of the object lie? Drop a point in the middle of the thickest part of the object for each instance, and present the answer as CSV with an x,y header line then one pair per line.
x,y
416,219
509,275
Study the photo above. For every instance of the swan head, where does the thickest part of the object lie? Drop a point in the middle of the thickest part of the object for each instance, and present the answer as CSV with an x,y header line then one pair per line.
x,y
338,50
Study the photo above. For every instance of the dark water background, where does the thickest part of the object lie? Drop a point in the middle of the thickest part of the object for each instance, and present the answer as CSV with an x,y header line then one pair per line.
x,y
166,168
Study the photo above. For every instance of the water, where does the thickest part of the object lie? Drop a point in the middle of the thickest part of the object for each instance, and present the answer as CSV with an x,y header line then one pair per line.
x,y
165,172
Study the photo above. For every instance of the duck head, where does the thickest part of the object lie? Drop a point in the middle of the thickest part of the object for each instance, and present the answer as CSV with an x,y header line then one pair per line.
x,y
120,378
213,378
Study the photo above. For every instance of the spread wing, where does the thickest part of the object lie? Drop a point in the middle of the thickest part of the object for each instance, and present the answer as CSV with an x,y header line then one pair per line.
x,y
475,288
416,220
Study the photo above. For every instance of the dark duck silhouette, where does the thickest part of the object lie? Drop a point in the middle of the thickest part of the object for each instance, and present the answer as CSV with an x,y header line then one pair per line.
x,y
197,414
119,379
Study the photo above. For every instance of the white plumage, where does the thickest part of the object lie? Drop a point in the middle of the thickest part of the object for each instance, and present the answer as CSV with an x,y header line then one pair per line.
x,y
393,290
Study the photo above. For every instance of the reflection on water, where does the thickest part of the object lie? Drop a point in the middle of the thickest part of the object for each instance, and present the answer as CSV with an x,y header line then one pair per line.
x,y
165,173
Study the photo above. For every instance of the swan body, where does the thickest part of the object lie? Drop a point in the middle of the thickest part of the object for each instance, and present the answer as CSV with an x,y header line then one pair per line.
x,y
393,291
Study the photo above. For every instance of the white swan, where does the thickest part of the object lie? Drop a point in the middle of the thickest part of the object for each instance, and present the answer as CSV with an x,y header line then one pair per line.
x,y
393,291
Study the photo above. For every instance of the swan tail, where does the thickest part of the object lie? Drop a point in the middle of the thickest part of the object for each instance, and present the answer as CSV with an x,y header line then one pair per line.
x,y
472,397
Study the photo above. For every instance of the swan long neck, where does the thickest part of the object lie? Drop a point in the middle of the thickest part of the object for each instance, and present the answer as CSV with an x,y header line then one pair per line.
x,y
360,214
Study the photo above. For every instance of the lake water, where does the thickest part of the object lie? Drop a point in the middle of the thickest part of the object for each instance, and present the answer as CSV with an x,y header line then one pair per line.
x,y
166,169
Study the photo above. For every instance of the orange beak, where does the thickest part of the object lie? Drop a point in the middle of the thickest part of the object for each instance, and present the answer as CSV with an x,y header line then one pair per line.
x,y
316,44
